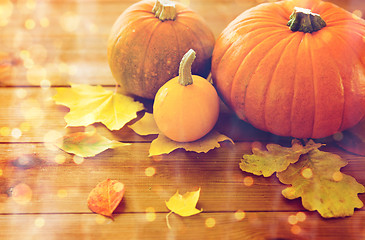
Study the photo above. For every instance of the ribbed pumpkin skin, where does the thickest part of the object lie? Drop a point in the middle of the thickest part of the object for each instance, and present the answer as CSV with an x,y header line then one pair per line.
x,y
144,52
304,85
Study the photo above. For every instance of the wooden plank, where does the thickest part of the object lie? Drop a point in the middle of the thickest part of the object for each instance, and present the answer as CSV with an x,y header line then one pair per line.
x,y
64,187
271,225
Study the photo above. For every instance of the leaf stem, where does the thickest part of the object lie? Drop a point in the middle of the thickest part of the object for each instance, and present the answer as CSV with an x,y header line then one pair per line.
x,y
167,220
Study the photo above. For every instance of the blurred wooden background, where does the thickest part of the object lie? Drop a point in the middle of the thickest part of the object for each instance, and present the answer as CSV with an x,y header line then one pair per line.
x,y
54,42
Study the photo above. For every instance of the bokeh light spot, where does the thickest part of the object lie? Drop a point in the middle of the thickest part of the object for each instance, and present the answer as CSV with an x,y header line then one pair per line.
x,y
292,219
21,93
16,133
338,136
337,176
45,84
118,187
290,192
22,194
1,172
239,215
5,131
6,10
301,216
150,171
307,173
60,159
29,24
100,219
210,222
357,14
39,222
248,181
78,160
295,229
62,193
150,214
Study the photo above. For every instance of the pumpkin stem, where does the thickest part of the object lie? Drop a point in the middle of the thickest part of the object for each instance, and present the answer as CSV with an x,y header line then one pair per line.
x,y
303,20
185,77
164,10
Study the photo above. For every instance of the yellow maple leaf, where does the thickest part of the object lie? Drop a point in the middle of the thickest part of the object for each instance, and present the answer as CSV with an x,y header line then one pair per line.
x,y
163,145
91,104
183,205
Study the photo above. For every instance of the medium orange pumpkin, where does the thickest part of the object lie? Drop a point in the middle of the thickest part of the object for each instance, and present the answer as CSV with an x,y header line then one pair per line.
x,y
186,108
148,41
306,80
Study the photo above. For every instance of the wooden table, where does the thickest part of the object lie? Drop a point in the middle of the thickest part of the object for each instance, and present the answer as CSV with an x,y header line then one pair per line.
x,y
65,41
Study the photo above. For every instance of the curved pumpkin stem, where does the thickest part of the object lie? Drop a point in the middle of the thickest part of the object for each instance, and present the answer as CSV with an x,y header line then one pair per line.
x,y
185,77
303,20
164,10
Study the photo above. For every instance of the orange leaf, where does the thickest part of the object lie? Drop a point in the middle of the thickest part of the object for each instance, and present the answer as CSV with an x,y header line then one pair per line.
x,y
105,197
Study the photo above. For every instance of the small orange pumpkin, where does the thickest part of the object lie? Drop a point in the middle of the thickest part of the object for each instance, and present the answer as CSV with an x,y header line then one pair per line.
x,y
306,80
186,108
148,41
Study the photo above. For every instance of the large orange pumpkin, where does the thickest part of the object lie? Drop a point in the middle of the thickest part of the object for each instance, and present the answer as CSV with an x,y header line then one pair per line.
x,y
293,71
149,39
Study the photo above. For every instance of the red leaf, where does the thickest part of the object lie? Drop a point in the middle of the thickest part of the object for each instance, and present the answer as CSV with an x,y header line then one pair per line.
x,y
105,197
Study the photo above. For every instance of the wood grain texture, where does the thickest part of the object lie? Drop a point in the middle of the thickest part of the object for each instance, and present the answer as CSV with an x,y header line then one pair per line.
x,y
256,226
65,41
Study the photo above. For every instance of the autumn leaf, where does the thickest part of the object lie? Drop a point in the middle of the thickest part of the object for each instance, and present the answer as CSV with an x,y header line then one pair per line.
x,y
91,104
163,145
353,139
105,197
183,205
145,126
317,179
86,144
274,158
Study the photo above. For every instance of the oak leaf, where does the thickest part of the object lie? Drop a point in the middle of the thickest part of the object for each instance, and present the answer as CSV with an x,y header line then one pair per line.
x,y
86,144
105,197
274,158
317,179
183,205
163,145
91,104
